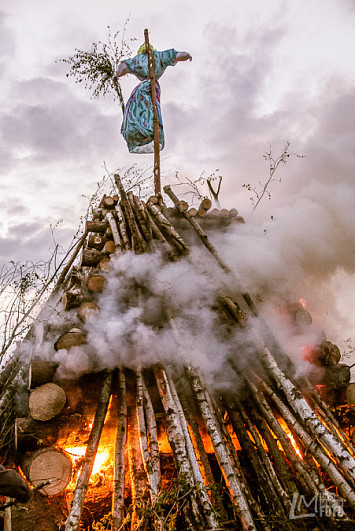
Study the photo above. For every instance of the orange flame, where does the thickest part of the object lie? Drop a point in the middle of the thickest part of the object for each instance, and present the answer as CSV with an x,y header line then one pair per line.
x,y
102,457
290,436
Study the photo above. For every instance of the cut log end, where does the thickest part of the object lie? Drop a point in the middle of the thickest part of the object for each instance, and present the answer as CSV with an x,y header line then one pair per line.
x,y
88,310
46,402
48,464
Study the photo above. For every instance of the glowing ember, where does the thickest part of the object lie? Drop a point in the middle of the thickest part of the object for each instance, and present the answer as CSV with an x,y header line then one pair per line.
x,y
290,436
303,302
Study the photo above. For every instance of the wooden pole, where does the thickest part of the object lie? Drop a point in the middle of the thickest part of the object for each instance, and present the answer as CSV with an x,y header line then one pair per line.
x,y
73,520
157,186
121,435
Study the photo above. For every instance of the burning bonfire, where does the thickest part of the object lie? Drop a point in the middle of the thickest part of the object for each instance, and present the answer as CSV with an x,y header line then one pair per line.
x,y
153,408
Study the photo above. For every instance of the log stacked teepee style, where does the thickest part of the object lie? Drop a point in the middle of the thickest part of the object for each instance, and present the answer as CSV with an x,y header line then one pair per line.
x,y
265,453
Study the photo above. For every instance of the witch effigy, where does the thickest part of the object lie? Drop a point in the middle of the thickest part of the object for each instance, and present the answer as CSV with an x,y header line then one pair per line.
x,y
137,126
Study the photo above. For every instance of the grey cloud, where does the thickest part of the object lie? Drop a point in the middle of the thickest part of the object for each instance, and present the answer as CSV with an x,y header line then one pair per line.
x,y
55,128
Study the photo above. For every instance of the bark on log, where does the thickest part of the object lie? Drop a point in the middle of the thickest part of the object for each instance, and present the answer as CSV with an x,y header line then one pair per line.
x,y
73,520
201,234
157,235
76,292
119,478
311,478
222,454
46,402
148,465
199,483
336,376
69,264
97,283
98,214
140,216
152,434
265,459
266,485
41,372
125,243
115,232
88,310
137,240
30,434
135,461
48,464
301,407
350,395
96,226
144,218
312,445
153,199
73,338
232,309
177,442
91,257
327,417
167,229
73,298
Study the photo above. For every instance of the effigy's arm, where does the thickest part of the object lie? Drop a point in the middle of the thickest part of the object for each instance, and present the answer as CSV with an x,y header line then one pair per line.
x,y
121,70
183,56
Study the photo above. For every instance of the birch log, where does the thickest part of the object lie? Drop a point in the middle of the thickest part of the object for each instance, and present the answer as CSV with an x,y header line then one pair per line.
x,y
200,486
115,233
152,433
302,408
139,248
122,227
177,442
118,487
198,229
167,229
312,445
144,441
312,480
227,468
73,520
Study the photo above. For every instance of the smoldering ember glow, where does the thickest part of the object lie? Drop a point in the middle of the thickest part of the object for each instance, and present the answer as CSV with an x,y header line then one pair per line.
x,y
188,399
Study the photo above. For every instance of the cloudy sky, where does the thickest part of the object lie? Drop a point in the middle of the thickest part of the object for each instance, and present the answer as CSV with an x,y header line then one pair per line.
x,y
263,73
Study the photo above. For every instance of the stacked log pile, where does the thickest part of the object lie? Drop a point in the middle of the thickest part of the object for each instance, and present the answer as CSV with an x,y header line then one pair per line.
x,y
232,459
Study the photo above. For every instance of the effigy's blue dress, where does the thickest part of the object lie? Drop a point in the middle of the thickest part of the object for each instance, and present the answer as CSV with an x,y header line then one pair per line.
x,y
137,126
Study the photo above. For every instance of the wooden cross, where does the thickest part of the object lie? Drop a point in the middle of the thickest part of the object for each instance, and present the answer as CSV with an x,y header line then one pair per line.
x,y
157,185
